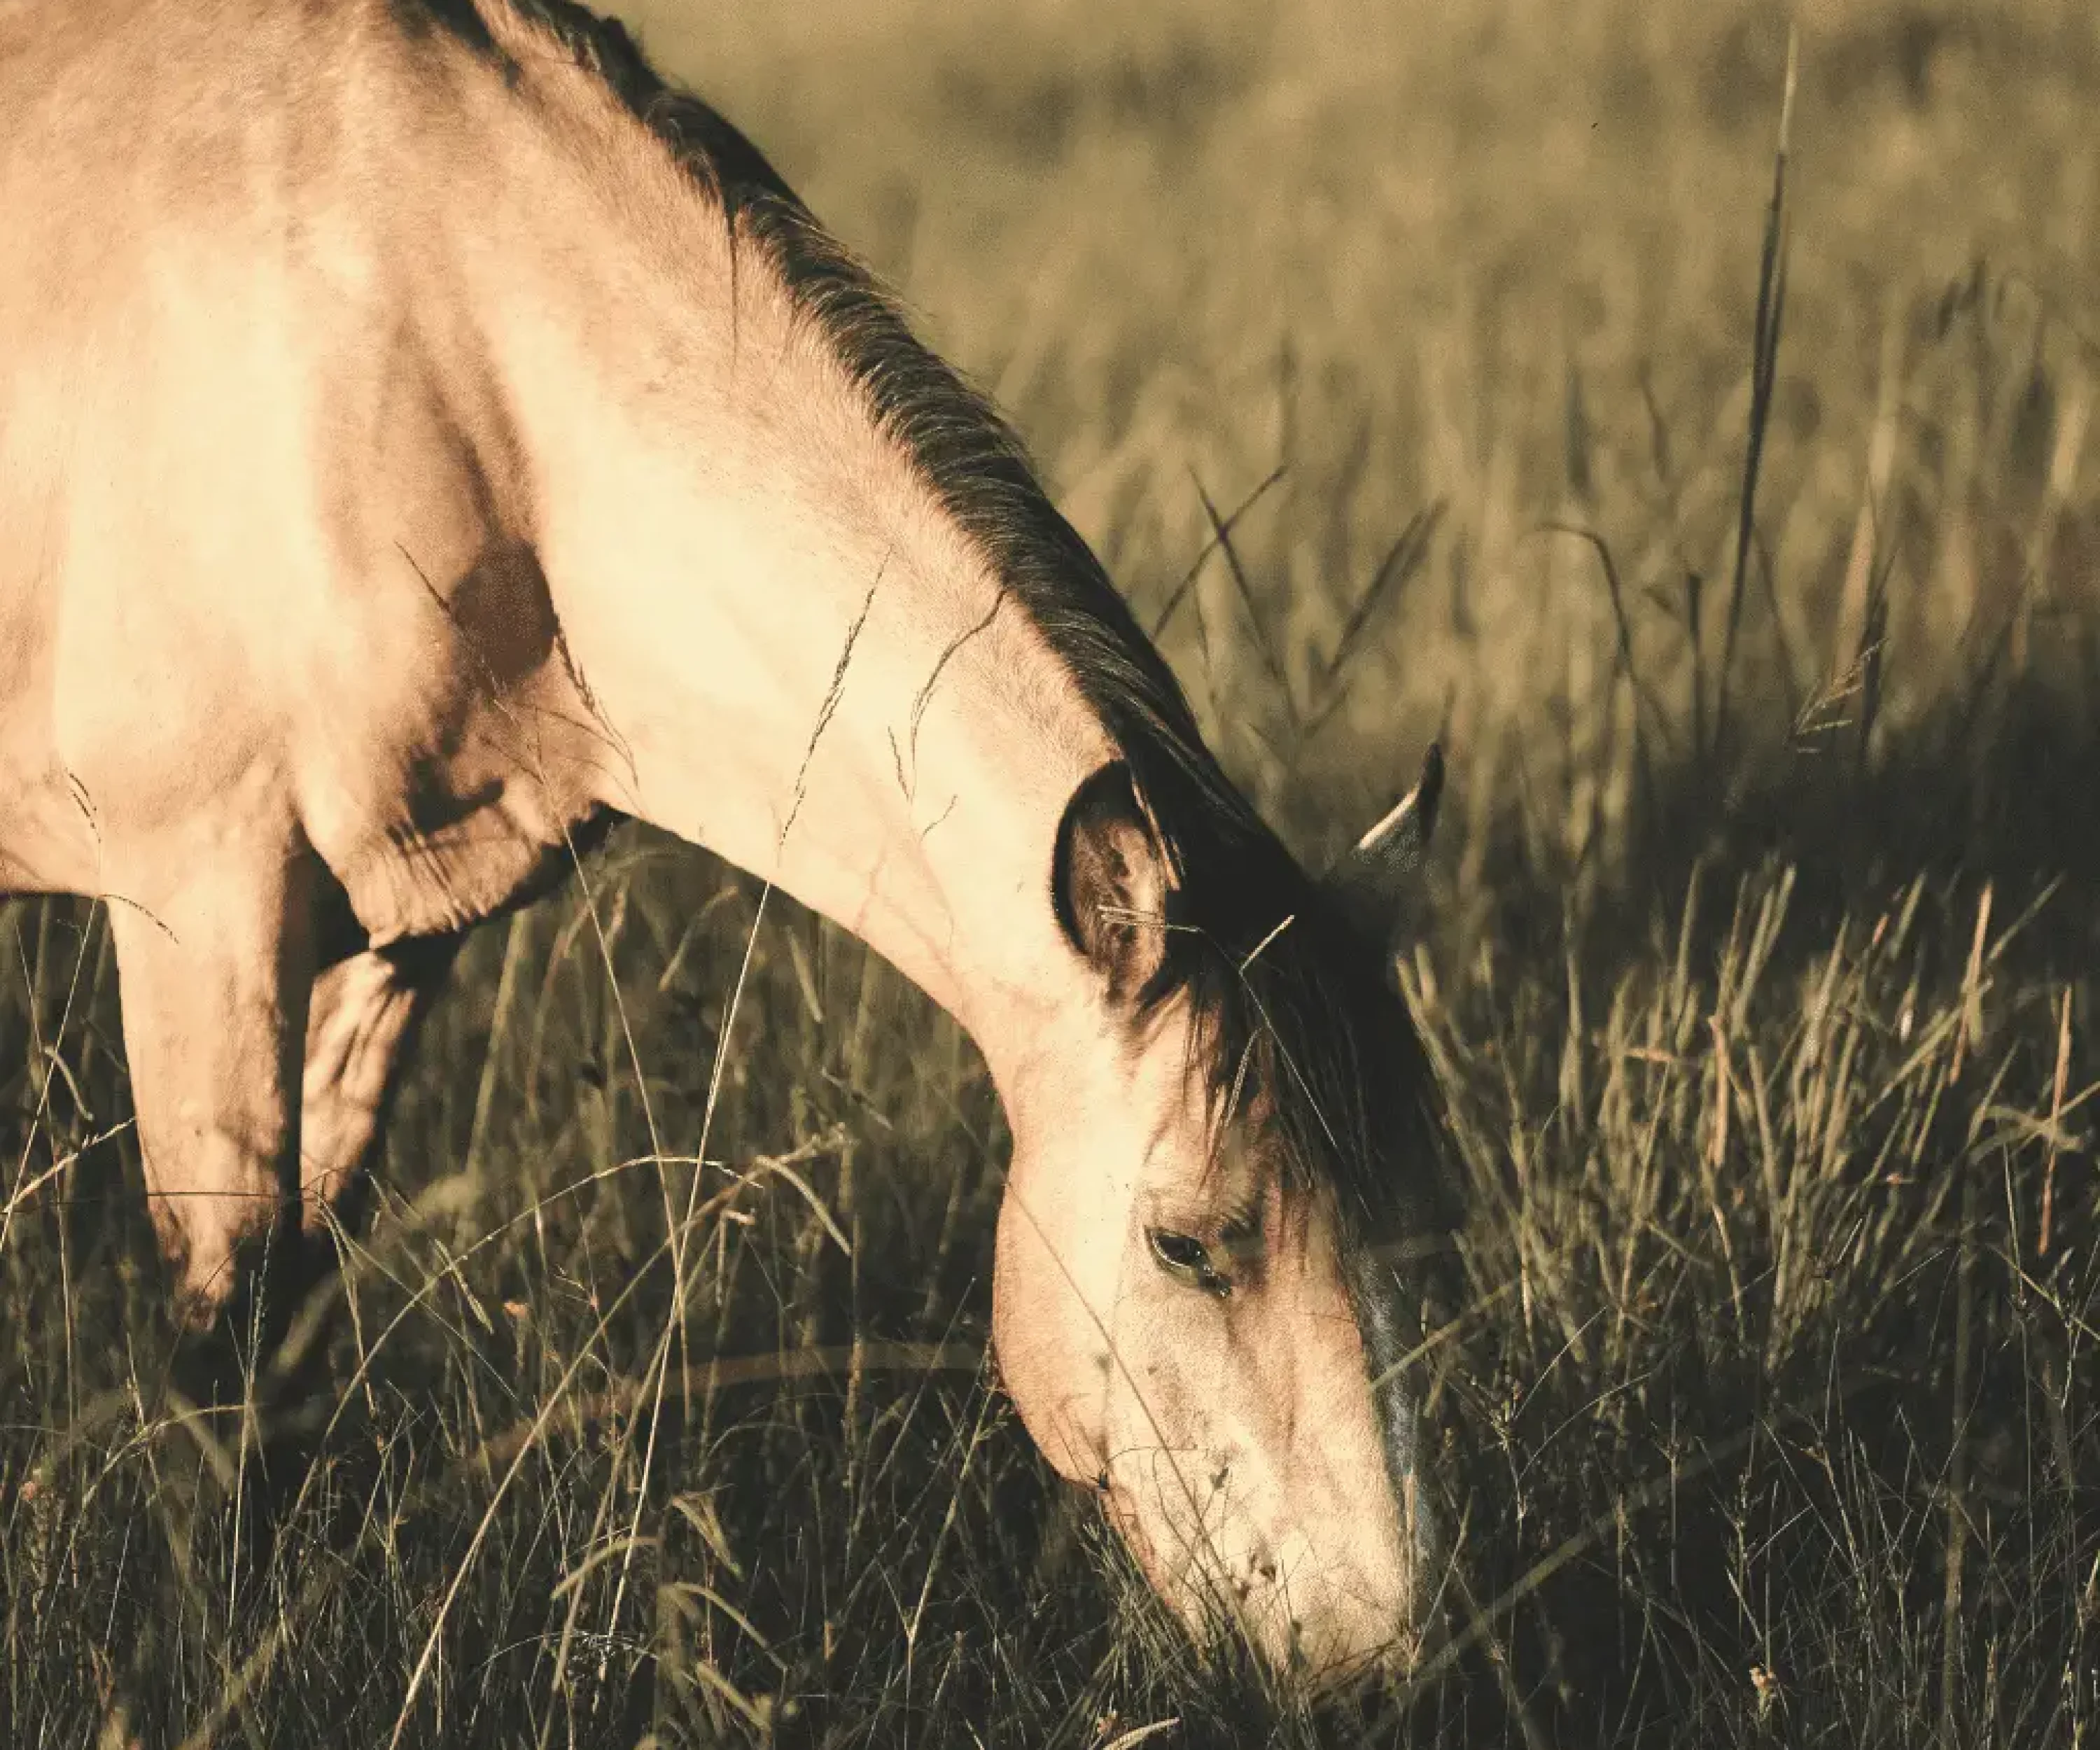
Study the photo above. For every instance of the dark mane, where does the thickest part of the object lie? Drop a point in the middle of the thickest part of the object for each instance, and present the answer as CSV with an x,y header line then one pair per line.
x,y
1309,1013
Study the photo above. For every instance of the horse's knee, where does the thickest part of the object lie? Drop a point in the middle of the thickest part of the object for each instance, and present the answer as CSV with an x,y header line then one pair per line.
x,y
216,1242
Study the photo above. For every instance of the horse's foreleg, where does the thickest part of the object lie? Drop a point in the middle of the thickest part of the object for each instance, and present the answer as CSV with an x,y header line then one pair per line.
x,y
215,955
364,1014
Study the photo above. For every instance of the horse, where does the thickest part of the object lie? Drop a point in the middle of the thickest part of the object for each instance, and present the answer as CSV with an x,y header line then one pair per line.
x,y
427,437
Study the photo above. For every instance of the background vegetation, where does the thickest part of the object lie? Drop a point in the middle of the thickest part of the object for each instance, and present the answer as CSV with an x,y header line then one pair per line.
x,y
1758,968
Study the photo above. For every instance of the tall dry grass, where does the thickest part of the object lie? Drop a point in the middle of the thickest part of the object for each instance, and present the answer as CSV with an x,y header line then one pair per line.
x,y
1756,970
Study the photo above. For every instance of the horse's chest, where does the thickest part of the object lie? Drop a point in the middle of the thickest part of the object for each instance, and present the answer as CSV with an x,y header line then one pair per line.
x,y
447,782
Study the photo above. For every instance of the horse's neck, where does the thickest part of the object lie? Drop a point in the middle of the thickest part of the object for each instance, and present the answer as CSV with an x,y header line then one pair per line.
x,y
800,663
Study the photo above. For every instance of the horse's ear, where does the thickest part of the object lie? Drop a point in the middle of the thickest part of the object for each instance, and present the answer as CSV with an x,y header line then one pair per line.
x,y
1111,879
1376,879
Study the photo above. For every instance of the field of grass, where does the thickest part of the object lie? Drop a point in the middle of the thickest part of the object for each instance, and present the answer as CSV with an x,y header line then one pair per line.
x,y
1757,963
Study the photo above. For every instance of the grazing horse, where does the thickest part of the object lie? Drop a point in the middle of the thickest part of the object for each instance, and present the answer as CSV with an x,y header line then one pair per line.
x,y
425,436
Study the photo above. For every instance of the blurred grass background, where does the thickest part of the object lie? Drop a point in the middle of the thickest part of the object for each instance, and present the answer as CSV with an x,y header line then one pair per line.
x,y
1757,963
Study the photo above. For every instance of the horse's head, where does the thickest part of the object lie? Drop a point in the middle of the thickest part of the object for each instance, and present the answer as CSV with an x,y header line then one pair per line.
x,y
1209,1290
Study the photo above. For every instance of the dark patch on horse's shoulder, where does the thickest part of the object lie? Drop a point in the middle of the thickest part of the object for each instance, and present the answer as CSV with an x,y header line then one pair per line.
x,y
504,610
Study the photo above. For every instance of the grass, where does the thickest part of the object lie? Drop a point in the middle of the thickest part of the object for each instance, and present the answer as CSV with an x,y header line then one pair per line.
x,y
1757,966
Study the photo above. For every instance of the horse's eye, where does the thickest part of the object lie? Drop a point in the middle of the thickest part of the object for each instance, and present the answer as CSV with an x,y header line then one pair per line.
x,y
1183,1255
